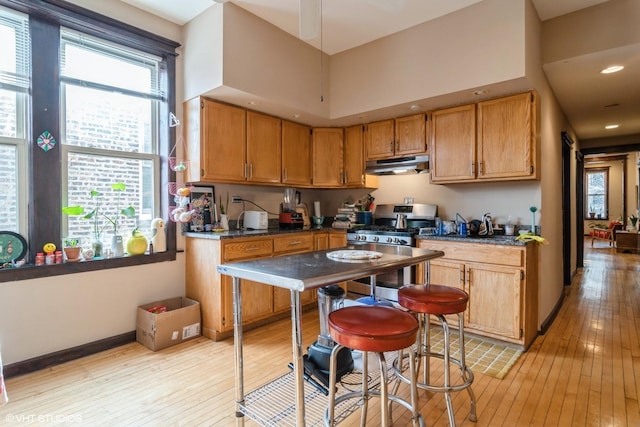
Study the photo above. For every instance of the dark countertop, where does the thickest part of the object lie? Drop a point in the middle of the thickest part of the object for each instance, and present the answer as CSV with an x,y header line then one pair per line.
x,y
236,234
491,240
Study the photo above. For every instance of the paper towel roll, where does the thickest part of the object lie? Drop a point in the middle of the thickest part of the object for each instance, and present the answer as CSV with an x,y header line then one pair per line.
x,y
316,209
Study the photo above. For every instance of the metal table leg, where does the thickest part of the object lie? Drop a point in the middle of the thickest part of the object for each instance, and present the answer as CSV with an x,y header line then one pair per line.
x,y
298,363
237,345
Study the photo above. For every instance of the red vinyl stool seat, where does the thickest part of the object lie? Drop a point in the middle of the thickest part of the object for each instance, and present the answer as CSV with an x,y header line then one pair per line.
x,y
438,300
376,329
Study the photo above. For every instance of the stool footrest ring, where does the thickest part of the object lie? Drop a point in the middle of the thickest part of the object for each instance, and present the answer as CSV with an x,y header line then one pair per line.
x,y
468,377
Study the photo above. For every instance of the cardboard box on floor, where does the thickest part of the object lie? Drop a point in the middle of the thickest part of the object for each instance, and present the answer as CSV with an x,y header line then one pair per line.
x,y
179,323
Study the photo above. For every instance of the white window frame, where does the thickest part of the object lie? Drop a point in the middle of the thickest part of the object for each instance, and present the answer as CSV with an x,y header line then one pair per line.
x,y
20,142
67,149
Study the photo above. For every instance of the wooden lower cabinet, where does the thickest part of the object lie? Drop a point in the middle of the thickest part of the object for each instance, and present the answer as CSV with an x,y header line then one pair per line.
x,y
260,303
502,283
285,245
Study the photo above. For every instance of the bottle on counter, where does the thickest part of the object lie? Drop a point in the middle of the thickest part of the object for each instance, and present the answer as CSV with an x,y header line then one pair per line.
x,y
40,258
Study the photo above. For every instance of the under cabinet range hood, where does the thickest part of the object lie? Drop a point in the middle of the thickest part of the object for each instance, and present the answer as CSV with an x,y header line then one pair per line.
x,y
398,166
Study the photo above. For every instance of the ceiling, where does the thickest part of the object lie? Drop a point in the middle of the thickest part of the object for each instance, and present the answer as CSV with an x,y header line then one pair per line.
x,y
589,100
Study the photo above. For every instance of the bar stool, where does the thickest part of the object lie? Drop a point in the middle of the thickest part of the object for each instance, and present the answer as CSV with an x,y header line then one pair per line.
x,y
438,300
376,329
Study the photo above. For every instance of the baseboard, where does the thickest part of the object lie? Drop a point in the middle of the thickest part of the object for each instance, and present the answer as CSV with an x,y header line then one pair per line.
x,y
62,356
544,327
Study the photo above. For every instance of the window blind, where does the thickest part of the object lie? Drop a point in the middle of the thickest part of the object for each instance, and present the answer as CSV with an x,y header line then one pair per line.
x,y
15,52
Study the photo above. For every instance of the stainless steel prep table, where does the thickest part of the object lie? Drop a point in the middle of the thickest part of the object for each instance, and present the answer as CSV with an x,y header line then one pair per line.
x,y
298,273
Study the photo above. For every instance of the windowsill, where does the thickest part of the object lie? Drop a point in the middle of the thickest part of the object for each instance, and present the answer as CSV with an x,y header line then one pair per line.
x,y
32,272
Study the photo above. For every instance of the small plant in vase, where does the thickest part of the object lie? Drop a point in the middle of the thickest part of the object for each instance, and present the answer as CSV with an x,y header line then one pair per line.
x,y
633,219
224,217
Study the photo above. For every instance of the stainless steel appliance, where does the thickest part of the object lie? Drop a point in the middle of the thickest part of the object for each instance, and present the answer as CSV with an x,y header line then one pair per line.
x,y
418,219
397,166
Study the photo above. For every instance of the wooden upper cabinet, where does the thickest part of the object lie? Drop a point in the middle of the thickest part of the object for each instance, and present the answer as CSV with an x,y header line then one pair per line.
x,y
354,156
453,144
264,158
328,155
410,135
296,154
380,139
506,137
215,138
493,140
403,136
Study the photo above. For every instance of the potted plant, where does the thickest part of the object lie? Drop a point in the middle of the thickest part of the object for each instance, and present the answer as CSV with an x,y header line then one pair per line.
x,y
72,249
98,216
634,220
592,212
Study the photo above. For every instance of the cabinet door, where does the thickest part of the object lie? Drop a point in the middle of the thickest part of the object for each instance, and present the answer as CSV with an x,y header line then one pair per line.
x,y
321,241
354,156
337,239
410,135
223,143
494,299
379,140
448,273
453,144
264,142
296,154
327,157
506,137
286,245
257,298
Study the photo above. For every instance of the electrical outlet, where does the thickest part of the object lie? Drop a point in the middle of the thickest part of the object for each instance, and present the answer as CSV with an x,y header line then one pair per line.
x,y
236,199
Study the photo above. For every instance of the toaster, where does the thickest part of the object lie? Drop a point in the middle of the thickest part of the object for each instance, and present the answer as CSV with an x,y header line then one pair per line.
x,y
256,220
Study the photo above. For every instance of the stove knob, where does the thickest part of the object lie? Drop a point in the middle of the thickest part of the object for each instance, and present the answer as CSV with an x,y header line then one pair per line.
x,y
363,237
389,239
375,238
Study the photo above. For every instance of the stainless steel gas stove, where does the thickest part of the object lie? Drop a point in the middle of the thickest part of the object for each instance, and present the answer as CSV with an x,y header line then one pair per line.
x,y
417,218
382,235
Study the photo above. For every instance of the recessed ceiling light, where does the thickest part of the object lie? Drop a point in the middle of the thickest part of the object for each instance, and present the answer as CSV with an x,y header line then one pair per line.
x,y
611,126
612,69
414,107
481,92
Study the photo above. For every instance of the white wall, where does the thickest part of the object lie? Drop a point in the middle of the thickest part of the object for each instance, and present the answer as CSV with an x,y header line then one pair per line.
x,y
45,315
41,316
475,46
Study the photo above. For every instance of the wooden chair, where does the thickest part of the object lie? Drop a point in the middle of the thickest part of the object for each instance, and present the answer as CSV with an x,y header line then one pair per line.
x,y
608,234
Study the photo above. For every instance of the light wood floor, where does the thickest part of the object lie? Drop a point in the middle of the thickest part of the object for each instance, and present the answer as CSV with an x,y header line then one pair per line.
x,y
584,371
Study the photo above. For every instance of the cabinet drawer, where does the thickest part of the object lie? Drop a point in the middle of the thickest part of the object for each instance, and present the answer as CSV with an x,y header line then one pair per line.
x,y
483,253
302,242
247,249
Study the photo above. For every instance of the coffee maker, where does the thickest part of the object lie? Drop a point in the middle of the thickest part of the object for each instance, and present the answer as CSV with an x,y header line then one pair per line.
x,y
317,361
289,216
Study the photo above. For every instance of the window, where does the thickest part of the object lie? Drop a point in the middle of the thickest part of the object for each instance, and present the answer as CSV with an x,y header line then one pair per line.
x,y
104,90
597,202
110,101
14,86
